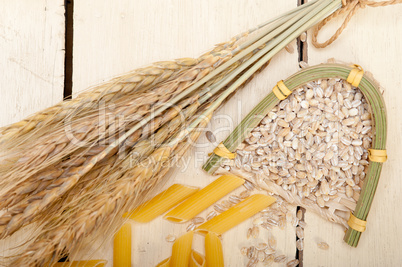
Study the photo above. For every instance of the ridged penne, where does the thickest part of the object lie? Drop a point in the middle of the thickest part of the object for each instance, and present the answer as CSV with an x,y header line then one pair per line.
x,y
161,203
181,250
122,247
236,214
88,263
204,198
196,259
213,250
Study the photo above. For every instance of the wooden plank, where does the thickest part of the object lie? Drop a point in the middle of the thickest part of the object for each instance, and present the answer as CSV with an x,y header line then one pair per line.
x,y
31,66
31,58
371,40
114,37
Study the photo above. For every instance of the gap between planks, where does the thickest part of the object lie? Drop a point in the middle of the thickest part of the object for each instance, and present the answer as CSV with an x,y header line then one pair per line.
x,y
302,50
68,58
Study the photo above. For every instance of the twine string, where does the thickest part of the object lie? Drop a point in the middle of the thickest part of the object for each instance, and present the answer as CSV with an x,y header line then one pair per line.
x,y
350,7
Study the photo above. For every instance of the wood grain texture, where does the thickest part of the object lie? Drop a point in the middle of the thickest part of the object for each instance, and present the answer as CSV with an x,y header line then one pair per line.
x,y
114,37
31,66
31,57
373,41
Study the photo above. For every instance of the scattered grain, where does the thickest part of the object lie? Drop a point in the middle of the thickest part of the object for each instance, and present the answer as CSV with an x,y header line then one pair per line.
x,y
255,232
323,245
280,259
190,227
198,220
210,215
292,263
170,238
300,244
210,136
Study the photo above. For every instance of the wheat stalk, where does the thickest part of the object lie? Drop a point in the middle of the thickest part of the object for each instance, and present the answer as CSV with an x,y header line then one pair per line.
x,y
53,181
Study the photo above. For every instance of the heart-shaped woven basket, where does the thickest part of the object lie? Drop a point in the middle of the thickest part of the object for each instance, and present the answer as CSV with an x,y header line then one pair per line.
x,y
355,215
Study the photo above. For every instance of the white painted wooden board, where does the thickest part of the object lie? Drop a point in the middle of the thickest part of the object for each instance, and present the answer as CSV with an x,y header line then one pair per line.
x,y
114,37
31,65
372,40
31,57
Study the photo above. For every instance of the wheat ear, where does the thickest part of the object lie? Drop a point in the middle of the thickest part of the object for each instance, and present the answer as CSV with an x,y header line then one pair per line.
x,y
138,80
32,201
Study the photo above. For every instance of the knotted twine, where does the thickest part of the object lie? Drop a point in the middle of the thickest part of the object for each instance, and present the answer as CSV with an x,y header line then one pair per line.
x,y
351,6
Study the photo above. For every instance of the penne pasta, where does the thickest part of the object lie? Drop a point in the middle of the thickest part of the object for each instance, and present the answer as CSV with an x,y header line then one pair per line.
x,y
213,251
181,250
196,259
122,247
88,263
236,214
161,203
204,198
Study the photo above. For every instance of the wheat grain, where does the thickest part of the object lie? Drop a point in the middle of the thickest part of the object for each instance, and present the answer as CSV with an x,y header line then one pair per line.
x,y
251,252
261,256
269,259
300,244
280,259
292,263
211,215
249,232
255,232
262,246
197,220
303,37
190,227
170,238
323,245
243,251
210,136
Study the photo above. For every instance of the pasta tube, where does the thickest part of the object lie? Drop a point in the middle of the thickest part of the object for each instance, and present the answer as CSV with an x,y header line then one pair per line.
x,y
213,250
181,250
162,203
236,214
204,198
122,247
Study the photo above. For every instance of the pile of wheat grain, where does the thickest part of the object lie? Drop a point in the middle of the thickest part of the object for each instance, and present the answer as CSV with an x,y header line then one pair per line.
x,y
313,146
